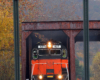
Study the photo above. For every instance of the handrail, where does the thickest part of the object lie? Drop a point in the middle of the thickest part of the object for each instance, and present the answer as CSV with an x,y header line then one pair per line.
x,y
33,68
46,63
66,68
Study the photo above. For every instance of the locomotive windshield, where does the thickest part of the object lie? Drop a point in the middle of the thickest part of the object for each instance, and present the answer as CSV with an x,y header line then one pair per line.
x,y
49,49
43,52
47,52
55,52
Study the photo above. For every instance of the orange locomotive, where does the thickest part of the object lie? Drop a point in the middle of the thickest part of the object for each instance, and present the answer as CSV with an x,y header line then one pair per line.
x,y
49,61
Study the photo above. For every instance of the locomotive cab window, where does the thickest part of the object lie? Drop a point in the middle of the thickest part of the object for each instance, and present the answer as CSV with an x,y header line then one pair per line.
x,y
64,53
55,52
34,54
43,52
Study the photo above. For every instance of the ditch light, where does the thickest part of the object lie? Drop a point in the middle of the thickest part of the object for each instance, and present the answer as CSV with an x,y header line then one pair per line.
x,y
40,77
59,76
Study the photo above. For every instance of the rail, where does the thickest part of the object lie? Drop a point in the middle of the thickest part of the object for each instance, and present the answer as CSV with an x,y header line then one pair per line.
x,y
46,63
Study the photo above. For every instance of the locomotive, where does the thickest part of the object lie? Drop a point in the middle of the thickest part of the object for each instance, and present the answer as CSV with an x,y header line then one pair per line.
x,y
49,61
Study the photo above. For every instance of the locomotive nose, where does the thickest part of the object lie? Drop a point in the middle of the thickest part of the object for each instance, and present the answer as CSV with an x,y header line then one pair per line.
x,y
50,64
50,68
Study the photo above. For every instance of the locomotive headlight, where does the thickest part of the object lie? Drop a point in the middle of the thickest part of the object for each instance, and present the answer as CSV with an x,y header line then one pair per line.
x,y
40,77
49,45
59,76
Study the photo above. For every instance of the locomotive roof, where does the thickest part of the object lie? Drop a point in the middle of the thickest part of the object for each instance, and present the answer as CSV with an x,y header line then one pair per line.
x,y
51,40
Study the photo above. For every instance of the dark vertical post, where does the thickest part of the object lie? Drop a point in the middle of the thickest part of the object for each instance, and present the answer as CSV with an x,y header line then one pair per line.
x,y
86,40
16,39
30,49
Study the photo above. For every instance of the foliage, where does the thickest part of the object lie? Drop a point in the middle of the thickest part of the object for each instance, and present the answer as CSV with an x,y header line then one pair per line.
x,y
94,12
93,50
6,65
29,10
40,36
96,67
44,10
6,40
6,27
79,69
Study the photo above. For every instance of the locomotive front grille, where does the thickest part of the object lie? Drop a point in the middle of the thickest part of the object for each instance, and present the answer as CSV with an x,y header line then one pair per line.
x,y
64,71
49,70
